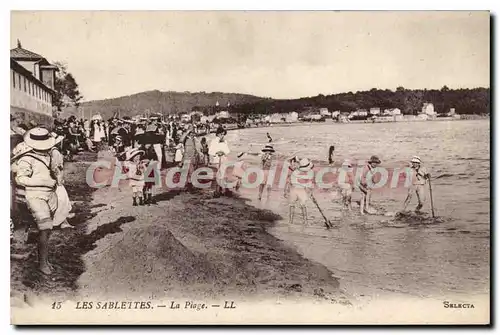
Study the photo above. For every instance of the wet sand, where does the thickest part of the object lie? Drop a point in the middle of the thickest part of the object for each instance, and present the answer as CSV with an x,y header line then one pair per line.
x,y
188,245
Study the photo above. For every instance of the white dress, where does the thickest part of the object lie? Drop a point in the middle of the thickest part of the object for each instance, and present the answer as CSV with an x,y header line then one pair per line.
x,y
97,133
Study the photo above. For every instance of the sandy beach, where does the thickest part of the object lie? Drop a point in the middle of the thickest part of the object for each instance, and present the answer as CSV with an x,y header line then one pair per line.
x,y
188,245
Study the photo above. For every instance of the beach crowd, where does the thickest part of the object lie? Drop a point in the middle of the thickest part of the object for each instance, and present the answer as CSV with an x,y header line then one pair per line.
x,y
143,146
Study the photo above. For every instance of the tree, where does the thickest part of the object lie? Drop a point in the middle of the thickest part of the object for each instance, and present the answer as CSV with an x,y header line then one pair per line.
x,y
413,102
66,87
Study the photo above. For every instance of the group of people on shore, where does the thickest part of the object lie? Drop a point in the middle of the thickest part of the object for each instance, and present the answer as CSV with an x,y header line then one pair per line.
x,y
299,191
38,154
39,200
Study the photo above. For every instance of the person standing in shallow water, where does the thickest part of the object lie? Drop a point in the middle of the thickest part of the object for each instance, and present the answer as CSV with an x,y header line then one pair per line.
x,y
419,177
266,162
298,192
365,183
331,159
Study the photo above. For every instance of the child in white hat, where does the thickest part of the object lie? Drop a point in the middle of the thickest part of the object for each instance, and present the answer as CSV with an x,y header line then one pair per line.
x,y
239,170
297,192
33,172
419,177
346,184
267,158
135,171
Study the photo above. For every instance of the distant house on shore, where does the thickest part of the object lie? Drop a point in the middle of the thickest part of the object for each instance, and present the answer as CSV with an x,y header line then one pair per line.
x,y
391,112
428,109
324,112
32,83
375,111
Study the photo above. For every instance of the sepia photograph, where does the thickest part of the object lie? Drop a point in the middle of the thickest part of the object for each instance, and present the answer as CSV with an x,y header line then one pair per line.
x,y
250,167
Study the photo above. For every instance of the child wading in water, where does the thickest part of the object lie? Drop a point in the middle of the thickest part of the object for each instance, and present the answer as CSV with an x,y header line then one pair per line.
x,y
365,184
136,169
418,179
266,164
239,170
298,192
346,184
331,156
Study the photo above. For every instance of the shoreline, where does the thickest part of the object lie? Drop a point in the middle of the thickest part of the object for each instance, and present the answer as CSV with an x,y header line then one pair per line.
x,y
190,245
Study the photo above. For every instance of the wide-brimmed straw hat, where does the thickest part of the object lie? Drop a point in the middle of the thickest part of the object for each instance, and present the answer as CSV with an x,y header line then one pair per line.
x,y
39,139
305,165
268,148
374,159
416,159
132,153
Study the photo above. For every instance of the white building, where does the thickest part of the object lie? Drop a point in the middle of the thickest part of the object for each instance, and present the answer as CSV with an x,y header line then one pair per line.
x,y
32,83
428,109
375,111
391,111
324,112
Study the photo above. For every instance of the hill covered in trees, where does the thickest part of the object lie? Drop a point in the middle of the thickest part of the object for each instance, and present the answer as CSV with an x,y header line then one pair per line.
x,y
159,102
465,101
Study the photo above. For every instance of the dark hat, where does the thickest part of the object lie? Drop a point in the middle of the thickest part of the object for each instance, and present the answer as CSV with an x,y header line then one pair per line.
x,y
268,148
374,159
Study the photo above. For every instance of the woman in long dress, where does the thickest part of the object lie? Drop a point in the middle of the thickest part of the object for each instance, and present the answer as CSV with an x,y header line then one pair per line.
x,y
96,134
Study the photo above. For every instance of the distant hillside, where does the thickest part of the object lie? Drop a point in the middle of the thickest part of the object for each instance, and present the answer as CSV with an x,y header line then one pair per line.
x,y
160,102
410,101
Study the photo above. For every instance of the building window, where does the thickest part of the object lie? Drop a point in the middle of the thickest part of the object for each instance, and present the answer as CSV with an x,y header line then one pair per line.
x,y
25,84
19,81
13,79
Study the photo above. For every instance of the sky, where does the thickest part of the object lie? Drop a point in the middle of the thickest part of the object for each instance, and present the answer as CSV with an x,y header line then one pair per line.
x,y
268,54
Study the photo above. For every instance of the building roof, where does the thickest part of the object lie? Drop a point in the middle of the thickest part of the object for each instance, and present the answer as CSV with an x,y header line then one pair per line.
x,y
21,69
23,54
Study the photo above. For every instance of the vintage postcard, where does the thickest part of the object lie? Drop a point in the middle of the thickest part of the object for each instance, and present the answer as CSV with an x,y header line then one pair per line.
x,y
276,168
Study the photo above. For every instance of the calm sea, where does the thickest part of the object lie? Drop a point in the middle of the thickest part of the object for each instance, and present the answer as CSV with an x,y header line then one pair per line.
x,y
373,255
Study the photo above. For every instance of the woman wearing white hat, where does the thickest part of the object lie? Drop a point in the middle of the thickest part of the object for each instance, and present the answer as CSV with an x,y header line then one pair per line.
x,y
419,177
298,192
33,172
